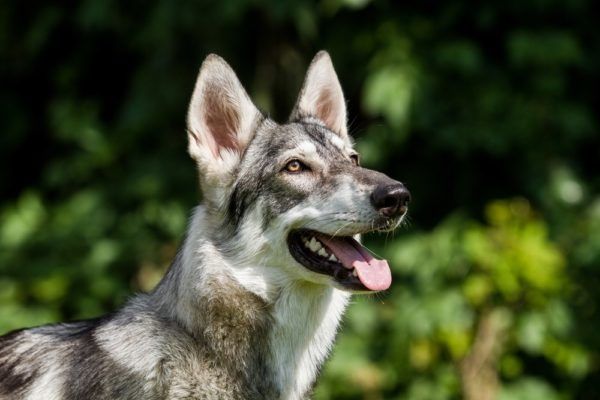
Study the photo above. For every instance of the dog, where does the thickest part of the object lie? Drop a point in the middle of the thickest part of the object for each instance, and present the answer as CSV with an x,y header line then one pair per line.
x,y
250,307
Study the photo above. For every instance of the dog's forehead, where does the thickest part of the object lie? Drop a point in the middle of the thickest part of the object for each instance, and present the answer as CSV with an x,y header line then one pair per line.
x,y
306,138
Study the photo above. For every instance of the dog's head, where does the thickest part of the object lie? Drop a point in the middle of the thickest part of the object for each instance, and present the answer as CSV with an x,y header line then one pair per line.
x,y
291,196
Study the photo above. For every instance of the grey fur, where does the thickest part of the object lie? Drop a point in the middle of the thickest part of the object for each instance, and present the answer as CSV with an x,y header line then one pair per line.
x,y
222,319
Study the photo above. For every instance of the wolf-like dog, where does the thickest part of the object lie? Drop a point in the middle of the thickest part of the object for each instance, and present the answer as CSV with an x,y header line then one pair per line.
x,y
250,307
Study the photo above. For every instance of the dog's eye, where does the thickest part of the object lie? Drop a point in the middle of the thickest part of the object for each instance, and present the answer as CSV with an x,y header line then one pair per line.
x,y
355,159
295,166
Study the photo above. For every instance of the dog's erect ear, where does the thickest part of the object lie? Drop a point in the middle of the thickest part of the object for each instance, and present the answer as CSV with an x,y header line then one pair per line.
x,y
221,118
321,96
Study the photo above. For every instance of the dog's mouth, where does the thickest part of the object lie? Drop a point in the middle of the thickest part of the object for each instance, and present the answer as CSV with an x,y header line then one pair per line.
x,y
341,257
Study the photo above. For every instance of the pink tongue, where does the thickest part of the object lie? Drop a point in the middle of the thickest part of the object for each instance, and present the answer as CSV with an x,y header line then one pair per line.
x,y
375,274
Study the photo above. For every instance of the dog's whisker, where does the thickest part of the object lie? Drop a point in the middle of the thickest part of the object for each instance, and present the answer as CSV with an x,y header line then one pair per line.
x,y
342,227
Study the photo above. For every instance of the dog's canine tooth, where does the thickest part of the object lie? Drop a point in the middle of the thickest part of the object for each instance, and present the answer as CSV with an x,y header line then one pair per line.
x,y
354,273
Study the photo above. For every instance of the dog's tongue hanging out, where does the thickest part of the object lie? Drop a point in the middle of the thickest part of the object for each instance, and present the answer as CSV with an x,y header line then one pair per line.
x,y
375,274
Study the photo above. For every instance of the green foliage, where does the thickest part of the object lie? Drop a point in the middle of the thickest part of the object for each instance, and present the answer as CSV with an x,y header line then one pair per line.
x,y
487,111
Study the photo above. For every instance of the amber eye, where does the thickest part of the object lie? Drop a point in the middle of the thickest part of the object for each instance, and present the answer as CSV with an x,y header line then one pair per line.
x,y
355,159
295,166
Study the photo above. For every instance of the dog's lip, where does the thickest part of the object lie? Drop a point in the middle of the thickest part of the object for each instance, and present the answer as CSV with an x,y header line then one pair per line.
x,y
356,269
382,225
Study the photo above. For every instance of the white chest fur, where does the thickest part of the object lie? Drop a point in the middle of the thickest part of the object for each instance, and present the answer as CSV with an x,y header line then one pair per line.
x,y
306,318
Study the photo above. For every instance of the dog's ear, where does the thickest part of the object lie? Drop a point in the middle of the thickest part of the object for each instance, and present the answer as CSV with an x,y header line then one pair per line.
x,y
321,96
221,118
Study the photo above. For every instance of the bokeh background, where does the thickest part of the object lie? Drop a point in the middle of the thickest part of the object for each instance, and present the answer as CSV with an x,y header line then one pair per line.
x,y
487,110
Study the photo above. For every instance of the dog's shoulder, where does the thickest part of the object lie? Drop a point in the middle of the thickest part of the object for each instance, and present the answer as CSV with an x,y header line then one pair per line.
x,y
27,355
13,347
112,357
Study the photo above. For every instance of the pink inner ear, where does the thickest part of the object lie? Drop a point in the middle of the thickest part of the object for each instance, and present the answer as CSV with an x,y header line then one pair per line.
x,y
222,122
326,110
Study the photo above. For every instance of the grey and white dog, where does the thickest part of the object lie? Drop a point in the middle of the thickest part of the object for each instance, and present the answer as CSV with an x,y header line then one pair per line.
x,y
250,306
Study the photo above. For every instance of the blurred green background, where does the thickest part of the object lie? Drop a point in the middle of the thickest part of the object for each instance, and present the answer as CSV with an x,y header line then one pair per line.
x,y
487,110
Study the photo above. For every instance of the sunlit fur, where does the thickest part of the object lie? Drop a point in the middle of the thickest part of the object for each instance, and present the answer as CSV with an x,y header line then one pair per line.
x,y
235,317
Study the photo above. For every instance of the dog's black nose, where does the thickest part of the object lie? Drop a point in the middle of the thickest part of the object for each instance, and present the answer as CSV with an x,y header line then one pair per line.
x,y
391,200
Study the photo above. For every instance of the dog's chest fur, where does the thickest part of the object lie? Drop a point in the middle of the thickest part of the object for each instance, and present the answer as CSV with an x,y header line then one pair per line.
x,y
252,350
226,357
259,350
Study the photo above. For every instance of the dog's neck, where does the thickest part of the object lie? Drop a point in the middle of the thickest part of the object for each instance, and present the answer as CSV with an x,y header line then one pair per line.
x,y
306,319
281,338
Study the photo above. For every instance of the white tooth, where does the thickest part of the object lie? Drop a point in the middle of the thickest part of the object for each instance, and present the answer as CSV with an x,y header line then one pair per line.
x,y
333,258
315,245
322,252
354,273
